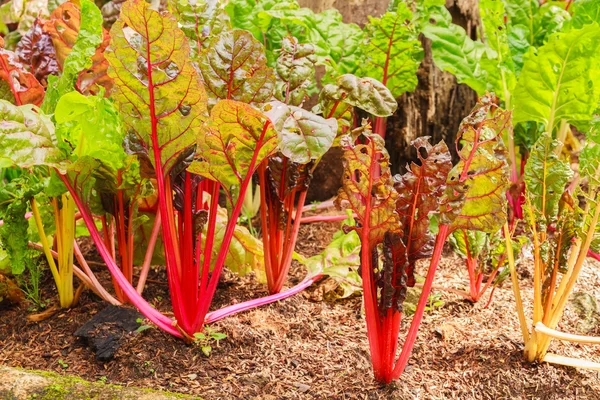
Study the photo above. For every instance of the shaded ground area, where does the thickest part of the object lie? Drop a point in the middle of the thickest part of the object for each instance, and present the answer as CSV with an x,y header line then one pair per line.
x,y
305,347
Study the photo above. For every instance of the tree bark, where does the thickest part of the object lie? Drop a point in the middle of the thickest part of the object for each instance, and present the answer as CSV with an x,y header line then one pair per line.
x,y
435,108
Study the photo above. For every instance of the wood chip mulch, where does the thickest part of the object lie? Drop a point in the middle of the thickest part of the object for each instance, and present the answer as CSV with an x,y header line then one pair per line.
x,y
306,349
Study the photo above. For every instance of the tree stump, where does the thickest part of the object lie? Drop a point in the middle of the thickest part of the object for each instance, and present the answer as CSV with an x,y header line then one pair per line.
x,y
435,108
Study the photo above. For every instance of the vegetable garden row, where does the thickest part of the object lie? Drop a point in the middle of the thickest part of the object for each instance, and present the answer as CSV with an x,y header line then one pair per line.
x,y
179,133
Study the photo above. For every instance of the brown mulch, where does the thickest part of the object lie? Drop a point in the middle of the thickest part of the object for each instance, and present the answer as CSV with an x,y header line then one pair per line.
x,y
306,349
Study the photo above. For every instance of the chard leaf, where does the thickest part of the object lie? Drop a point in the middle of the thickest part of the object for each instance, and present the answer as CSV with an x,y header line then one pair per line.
x,y
519,24
558,82
234,67
295,71
468,243
27,137
92,127
475,193
36,50
338,45
20,86
303,136
270,21
419,192
497,60
158,90
24,13
339,261
370,196
200,20
245,251
585,12
545,176
79,56
231,145
337,101
455,52
393,51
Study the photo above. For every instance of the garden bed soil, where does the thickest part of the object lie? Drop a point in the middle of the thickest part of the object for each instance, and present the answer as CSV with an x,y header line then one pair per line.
x,y
309,347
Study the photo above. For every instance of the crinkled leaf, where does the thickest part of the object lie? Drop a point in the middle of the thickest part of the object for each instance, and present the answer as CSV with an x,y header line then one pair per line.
x,y
295,71
270,21
234,67
233,142
338,45
92,127
158,90
393,51
37,52
303,136
419,193
475,193
545,176
519,17
369,195
559,82
20,86
79,57
200,20
27,137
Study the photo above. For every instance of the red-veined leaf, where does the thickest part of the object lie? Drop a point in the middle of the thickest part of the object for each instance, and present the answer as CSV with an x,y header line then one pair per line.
x,y
370,196
17,85
234,67
158,90
232,144
476,186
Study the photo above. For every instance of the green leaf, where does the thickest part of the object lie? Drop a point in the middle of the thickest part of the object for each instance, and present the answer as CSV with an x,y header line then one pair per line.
x,y
585,12
303,136
338,45
558,83
80,57
519,16
546,177
340,261
232,144
455,52
475,193
392,50
475,240
200,20
245,252
27,137
158,90
234,67
92,127
497,61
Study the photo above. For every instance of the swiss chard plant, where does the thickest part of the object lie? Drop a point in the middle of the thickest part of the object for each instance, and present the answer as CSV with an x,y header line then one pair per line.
x,y
392,219
563,221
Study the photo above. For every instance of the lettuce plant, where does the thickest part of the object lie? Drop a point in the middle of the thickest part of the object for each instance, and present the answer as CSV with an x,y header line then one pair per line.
x,y
392,219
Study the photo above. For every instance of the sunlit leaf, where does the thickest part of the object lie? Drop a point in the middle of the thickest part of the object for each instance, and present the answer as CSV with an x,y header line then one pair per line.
x,y
158,90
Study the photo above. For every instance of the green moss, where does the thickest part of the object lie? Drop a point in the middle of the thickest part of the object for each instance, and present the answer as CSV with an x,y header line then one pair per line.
x,y
67,387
